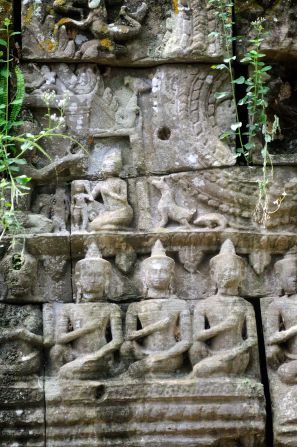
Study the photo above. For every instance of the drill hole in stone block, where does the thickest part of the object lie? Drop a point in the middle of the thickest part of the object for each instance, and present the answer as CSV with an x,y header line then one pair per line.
x,y
164,133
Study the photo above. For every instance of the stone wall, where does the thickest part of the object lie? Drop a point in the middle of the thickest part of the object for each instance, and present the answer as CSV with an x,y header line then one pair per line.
x,y
150,308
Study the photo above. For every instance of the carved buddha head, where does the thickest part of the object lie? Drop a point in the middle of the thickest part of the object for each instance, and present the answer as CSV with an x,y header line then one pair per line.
x,y
286,270
158,272
92,276
112,164
227,269
19,270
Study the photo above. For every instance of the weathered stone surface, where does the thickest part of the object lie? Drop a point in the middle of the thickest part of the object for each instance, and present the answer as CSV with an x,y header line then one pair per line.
x,y
147,114
204,412
279,314
281,39
138,33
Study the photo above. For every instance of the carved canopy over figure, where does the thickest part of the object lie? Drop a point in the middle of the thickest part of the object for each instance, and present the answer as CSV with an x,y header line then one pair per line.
x,y
158,330
82,349
281,327
115,212
224,327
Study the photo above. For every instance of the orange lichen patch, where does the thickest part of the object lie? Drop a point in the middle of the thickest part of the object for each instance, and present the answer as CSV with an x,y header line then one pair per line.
x,y
107,43
175,6
48,45
90,141
28,16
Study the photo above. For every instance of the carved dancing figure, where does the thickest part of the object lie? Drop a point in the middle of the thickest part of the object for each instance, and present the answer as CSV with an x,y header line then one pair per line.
x,y
158,330
116,211
224,327
281,324
79,207
83,349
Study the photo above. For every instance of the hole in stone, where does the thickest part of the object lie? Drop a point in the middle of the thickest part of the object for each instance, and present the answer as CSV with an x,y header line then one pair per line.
x,y
164,133
100,390
17,261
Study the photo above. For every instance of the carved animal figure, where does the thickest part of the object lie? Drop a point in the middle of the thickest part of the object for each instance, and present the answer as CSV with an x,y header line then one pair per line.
x,y
211,220
167,207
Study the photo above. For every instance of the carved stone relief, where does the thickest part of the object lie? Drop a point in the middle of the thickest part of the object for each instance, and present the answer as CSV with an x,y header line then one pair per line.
x,y
118,32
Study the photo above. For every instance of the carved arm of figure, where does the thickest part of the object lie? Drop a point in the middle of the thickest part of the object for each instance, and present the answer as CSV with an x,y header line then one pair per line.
x,y
275,353
68,337
21,334
81,24
202,334
54,167
116,334
148,330
181,346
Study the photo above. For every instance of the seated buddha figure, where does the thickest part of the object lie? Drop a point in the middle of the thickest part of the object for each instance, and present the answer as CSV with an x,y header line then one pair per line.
x,y
158,329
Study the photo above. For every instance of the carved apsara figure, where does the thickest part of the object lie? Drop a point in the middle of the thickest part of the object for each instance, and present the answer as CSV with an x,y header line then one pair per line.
x,y
116,212
83,350
158,329
281,324
79,204
224,326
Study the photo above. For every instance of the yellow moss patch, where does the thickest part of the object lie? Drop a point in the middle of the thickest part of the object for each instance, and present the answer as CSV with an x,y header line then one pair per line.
x,y
107,43
48,45
60,2
175,6
28,16
63,21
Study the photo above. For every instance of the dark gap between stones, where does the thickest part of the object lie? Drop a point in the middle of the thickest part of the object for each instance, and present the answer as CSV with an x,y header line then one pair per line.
x,y
263,371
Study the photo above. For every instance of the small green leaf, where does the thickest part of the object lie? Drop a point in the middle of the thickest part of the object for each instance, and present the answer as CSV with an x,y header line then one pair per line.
x,y
236,126
3,43
240,80
220,95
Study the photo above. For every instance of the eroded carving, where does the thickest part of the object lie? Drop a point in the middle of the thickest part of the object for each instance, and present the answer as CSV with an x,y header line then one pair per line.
x,y
224,324
19,270
82,347
165,334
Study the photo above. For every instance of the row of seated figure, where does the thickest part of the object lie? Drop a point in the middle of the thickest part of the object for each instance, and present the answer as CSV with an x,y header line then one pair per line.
x,y
82,338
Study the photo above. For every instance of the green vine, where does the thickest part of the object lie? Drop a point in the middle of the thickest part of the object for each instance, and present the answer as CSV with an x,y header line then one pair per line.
x,y
255,100
15,145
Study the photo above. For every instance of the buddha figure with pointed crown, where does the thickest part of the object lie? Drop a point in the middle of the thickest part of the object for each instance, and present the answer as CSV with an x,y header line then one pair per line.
x,y
158,330
88,332
281,327
115,212
224,326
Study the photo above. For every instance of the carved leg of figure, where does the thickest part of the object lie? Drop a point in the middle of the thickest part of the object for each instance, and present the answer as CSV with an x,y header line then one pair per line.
x,y
59,355
112,219
288,372
85,220
231,362
84,367
164,218
185,223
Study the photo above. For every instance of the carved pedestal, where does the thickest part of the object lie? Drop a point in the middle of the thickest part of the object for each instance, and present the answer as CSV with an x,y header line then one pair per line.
x,y
165,413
